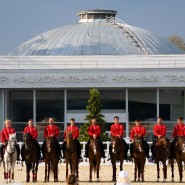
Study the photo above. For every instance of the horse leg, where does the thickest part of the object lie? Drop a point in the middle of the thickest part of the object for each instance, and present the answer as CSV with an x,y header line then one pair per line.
x,y
36,170
98,168
135,170
46,170
9,173
172,168
142,169
158,170
49,167
77,170
56,171
121,164
33,172
28,168
164,171
66,169
139,171
179,162
90,171
114,171
12,170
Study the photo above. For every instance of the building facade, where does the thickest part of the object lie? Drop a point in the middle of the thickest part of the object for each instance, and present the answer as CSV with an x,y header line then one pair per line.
x,y
139,75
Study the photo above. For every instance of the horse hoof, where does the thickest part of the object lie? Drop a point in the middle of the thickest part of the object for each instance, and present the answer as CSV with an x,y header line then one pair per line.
x,y
172,180
90,180
180,181
157,180
164,180
98,180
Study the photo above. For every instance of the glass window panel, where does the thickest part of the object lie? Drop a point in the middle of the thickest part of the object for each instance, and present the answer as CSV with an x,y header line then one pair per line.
x,y
50,104
142,104
77,99
113,99
20,106
171,106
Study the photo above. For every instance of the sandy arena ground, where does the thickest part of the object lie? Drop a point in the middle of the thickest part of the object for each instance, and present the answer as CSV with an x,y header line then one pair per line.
x,y
105,175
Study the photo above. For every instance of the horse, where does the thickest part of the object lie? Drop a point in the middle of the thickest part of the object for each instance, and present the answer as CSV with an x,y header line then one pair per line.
x,y
94,155
71,155
139,156
10,157
30,155
162,153
179,155
51,159
117,154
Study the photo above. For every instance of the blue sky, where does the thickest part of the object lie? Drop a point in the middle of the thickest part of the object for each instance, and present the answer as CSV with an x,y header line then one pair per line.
x,y
20,20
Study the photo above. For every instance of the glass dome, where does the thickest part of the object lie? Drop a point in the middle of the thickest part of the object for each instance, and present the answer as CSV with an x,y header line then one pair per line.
x,y
98,32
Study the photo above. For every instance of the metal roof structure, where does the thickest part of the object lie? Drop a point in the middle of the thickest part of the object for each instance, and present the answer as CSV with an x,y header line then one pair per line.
x,y
97,33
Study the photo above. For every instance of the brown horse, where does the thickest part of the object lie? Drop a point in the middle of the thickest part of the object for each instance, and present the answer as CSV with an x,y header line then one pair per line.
x,y
94,155
179,155
51,159
117,154
71,155
161,153
139,156
30,155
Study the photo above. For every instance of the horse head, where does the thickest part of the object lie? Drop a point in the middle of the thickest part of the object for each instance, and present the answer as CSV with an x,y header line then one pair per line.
x,y
69,139
28,141
49,144
94,145
11,143
138,144
180,144
116,143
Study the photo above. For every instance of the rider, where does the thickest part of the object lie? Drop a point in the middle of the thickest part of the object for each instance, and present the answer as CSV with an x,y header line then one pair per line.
x,y
94,131
51,130
5,137
159,132
117,129
34,134
75,133
178,130
140,131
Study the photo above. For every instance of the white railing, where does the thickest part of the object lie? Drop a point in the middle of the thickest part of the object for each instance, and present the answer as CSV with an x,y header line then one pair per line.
x,y
107,143
91,62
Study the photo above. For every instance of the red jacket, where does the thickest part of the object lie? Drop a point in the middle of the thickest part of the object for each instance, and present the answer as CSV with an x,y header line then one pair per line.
x,y
51,130
137,130
32,131
5,133
178,130
74,129
160,130
117,130
94,129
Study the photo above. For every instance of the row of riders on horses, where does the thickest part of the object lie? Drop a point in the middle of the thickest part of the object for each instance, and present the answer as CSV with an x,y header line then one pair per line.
x,y
71,147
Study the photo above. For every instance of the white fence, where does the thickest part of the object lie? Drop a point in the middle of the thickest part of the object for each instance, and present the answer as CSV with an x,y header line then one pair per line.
x,y
106,146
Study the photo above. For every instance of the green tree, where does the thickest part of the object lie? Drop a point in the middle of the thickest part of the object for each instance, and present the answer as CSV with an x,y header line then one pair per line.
x,y
178,41
94,107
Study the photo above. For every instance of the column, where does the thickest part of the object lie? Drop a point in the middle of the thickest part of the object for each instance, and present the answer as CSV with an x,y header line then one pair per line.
x,y
65,108
127,116
157,102
2,118
34,107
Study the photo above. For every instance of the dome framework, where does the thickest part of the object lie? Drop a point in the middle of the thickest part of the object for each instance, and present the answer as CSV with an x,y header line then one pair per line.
x,y
98,32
